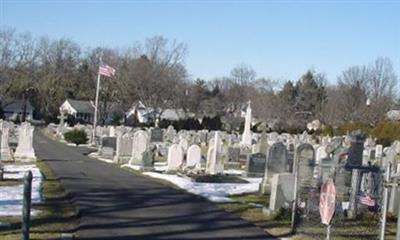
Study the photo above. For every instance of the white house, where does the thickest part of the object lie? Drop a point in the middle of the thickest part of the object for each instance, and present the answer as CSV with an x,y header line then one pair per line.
x,y
145,114
81,110
140,112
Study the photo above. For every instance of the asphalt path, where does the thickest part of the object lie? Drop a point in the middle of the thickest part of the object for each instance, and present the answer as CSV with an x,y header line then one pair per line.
x,y
116,204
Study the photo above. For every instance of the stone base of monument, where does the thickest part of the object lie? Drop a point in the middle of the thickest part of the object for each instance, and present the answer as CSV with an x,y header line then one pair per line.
x,y
265,188
232,165
5,156
267,211
25,156
147,168
254,174
121,160
217,179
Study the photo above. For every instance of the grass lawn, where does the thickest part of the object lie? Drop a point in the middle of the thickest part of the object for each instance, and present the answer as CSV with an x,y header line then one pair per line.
x,y
249,208
56,215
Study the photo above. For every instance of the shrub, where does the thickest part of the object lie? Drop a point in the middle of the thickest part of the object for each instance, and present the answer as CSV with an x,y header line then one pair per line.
x,y
76,136
352,126
386,132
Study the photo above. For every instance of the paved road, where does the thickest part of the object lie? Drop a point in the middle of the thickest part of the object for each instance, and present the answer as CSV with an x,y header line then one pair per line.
x,y
115,204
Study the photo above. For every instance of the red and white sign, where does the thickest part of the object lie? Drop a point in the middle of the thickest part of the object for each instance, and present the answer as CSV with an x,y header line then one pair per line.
x,y
327,201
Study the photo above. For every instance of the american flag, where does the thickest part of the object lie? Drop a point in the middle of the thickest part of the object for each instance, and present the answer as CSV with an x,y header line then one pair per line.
x,y
106,70
366,200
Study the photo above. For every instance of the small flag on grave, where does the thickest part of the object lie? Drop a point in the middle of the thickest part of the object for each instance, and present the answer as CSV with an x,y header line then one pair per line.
x,y
365,199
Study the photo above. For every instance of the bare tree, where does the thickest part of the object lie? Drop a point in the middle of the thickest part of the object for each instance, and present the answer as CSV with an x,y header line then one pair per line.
x,y
155,73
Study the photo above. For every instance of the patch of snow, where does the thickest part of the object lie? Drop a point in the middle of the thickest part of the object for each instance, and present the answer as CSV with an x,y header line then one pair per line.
x,y
234,172
134,167
11,196
93,155
105,160
215,192
160,166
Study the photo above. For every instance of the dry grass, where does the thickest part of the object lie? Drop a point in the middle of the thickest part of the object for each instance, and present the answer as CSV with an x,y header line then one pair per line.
x,y
249,207
56,215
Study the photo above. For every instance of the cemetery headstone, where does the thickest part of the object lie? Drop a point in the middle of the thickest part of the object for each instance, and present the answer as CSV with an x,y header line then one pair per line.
x,y
139,146
175,157
124,148
277,162
214,163
282,188
184,144
24,151
256,165
193,157
233,154
355,154
108,147
305,158
156,135
148,159
5,151
247,135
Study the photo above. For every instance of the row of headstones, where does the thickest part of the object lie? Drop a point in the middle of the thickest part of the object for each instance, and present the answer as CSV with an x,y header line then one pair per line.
x,y
282,184
136,150
20,136
127,147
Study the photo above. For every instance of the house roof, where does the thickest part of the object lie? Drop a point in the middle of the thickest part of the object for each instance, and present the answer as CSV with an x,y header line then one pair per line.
x,y
81,106
173,114
17,106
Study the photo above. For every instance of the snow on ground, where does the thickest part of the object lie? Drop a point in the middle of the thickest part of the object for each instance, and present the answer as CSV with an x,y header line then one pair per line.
x,y
95,155
158,167
215,192
134,167
11,196
234,172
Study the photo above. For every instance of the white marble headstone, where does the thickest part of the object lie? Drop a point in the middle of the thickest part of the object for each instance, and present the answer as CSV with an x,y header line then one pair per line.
x,y
175,157
24,151
193,156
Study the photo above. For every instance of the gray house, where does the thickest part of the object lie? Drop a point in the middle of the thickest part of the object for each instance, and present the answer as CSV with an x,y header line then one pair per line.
x,y
15,109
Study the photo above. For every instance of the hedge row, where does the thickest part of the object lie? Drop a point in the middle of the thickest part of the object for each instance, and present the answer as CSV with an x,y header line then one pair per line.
x,y
385,132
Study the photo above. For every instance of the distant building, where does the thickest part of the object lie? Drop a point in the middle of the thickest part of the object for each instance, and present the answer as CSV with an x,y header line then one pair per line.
x,y
79,109
173,114
139,113
15,109
393,115
83,111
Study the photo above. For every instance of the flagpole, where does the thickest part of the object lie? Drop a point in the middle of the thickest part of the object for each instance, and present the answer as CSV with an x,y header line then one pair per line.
x,y
96,103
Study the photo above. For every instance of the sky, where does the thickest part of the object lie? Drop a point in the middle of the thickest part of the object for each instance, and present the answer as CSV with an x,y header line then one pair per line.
x,y
278,39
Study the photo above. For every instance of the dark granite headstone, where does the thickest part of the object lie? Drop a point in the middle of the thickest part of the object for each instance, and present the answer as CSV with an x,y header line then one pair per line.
x,y
156,135
110,142
148,160
256,165
233,154
305,158
356,150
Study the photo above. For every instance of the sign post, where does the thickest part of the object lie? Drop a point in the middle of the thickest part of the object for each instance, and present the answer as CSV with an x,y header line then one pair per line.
x,y
327,204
